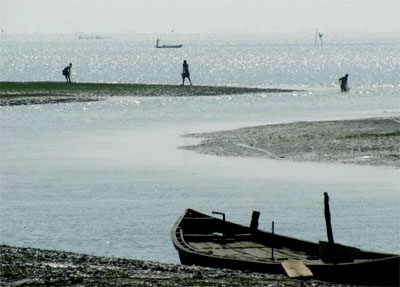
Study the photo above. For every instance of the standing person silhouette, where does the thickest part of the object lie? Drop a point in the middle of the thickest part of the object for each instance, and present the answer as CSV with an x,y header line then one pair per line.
x,y
343,83
185,73
67,72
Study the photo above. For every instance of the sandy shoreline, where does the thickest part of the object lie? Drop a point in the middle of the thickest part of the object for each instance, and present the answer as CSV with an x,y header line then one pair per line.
x,y
373,141
36,267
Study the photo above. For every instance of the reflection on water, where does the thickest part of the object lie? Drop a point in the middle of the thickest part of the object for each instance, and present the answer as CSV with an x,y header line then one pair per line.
x,y
106,178
215,59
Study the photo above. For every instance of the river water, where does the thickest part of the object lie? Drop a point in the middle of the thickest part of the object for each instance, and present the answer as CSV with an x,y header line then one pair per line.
x,y
106,178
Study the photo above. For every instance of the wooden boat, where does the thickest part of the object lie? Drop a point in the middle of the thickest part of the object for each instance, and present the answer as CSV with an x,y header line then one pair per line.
x,y
167,46
212,242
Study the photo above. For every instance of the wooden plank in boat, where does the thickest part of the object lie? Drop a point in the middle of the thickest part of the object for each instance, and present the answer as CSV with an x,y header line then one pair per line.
x,y
244,244
296,268
255,253
231,253
242,254
202,246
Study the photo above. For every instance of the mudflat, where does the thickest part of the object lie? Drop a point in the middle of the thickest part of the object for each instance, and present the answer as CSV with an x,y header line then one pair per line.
x,y
372,141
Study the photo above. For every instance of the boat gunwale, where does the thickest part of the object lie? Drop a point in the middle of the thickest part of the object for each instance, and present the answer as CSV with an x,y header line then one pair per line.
x,y
376,269
364,256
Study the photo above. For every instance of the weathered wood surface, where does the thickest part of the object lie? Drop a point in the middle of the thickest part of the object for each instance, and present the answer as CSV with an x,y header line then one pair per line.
x,y
248,250
296,268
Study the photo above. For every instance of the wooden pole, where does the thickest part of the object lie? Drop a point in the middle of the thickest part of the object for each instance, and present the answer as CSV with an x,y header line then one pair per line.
x,y
254,221
272,241
328,219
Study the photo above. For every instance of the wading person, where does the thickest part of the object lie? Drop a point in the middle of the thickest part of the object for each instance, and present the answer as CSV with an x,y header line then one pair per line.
x,y
343,83
185,73
67,72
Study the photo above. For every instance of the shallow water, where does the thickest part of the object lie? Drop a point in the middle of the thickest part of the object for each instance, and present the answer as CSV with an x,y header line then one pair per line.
x,y
106,178
215,59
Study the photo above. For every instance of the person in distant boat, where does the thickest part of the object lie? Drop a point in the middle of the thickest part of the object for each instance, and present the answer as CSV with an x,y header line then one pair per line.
x,y
343,83
185,73
67,72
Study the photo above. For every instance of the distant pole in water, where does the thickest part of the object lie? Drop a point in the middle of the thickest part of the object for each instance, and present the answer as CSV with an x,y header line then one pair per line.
x,y
3,35
318,35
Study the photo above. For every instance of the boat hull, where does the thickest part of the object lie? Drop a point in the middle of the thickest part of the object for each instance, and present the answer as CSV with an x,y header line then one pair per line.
x,y
168,47
194,229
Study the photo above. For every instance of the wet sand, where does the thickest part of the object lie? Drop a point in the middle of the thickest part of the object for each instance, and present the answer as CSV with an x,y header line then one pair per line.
x,y
373,141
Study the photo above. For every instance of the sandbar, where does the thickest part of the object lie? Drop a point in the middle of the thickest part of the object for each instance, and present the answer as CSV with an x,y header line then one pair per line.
x,y
371,141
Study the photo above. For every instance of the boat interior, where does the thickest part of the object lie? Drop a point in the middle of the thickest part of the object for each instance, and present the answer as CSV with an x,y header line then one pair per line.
x,y
212,236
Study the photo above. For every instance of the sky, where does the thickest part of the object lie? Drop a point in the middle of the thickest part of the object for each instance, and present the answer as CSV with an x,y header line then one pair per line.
x,y
197,16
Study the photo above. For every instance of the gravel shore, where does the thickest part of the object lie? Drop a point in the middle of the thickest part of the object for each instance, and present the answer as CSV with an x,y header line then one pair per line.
x,y
35,267
373,141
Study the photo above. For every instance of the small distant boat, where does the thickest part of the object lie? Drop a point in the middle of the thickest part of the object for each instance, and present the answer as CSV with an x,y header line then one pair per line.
x,y
213,242
82,36
167,46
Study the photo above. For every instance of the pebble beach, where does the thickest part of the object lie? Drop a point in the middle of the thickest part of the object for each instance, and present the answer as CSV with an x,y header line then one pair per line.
x,y
35,267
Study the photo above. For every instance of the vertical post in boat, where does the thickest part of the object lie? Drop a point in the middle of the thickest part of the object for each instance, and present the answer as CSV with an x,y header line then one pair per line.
x,y
254,221
272,240
328,220
223,226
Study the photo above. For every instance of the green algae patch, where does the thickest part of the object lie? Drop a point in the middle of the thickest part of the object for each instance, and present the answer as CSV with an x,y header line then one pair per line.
x,y
35,87
50,92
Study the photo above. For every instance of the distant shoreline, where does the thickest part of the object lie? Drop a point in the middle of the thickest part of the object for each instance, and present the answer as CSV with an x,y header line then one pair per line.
x,y
26,93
